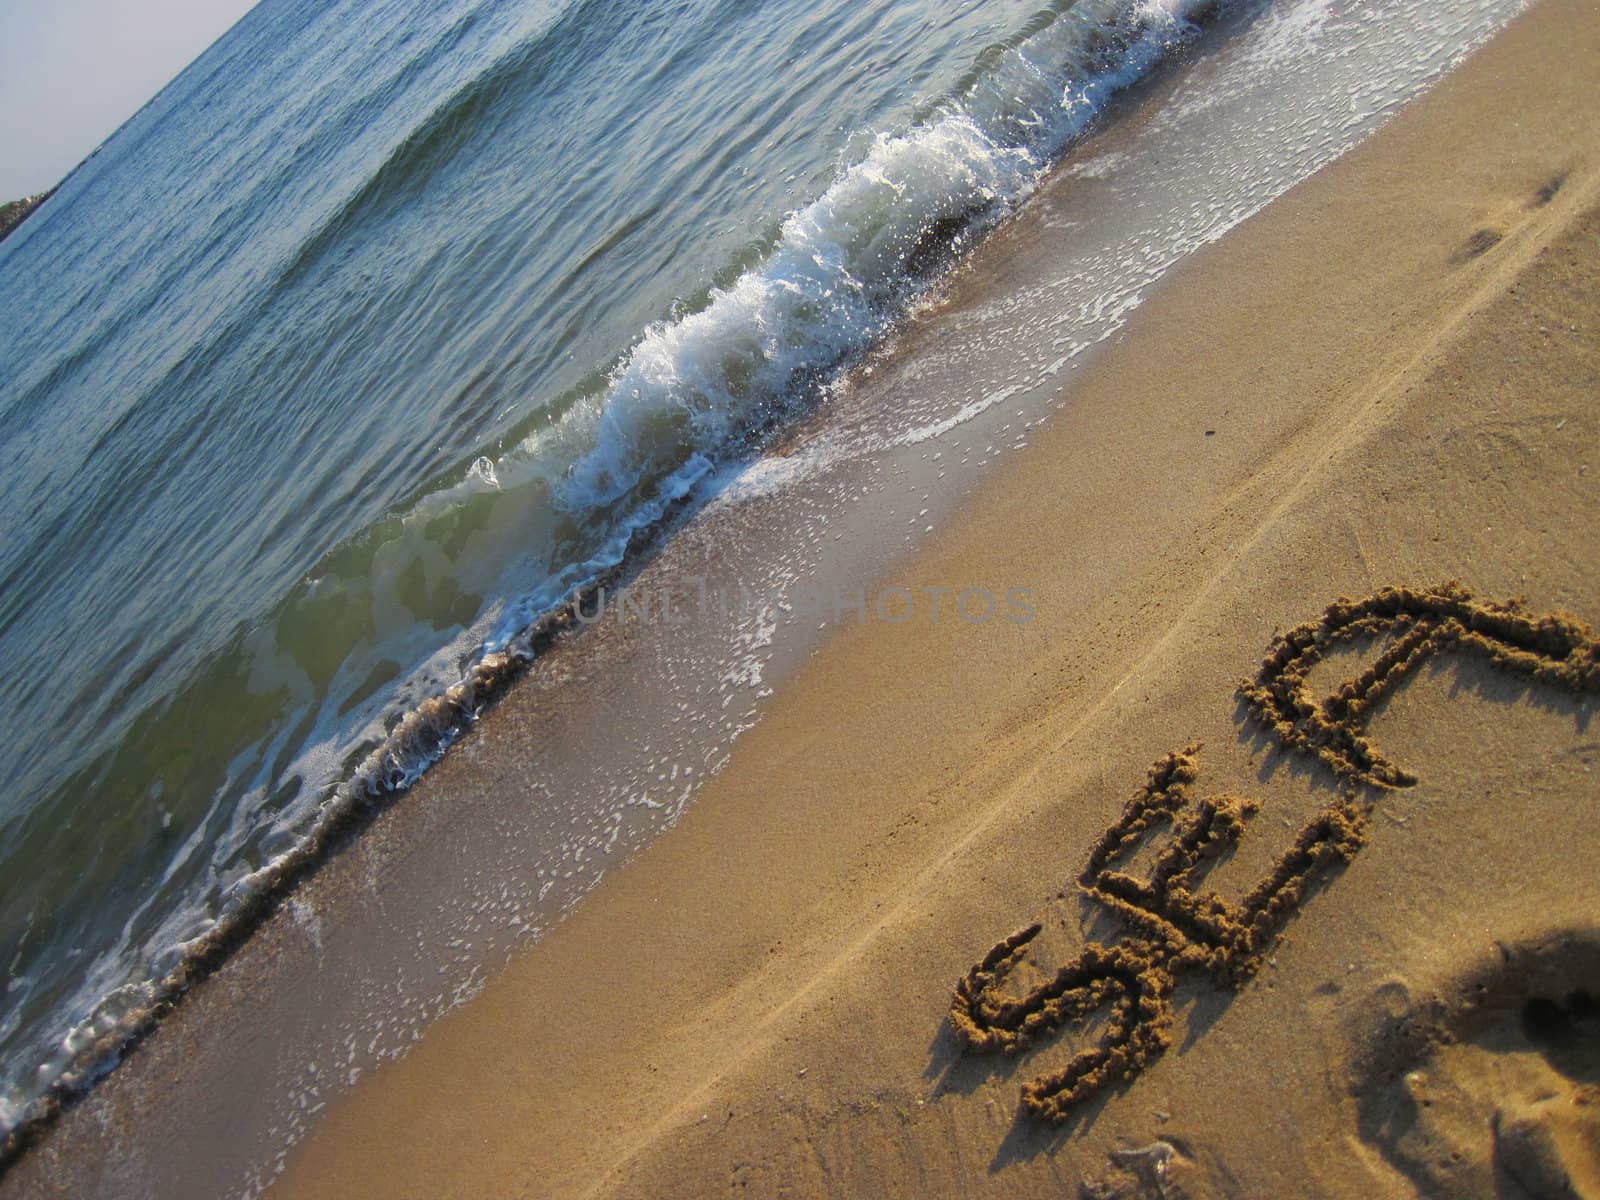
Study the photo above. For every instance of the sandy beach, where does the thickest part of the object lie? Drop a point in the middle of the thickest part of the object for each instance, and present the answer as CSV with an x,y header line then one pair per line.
x,y
1287,937
1388,378
1385,379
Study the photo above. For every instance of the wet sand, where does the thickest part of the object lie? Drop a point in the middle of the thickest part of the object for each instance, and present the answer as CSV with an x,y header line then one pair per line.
x,y
1386,378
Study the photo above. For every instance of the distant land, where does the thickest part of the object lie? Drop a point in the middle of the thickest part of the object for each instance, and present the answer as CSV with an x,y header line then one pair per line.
x,y
15,212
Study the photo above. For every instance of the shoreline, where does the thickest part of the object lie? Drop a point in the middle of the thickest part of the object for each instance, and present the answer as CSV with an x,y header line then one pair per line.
x,y
1352,350
381,776
292,948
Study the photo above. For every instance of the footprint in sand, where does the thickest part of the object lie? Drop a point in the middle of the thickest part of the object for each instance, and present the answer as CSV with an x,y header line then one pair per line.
x,y
1485,239
1490,1087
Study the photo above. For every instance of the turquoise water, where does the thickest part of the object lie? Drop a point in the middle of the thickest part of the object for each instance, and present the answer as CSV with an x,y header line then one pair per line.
x,y
380,330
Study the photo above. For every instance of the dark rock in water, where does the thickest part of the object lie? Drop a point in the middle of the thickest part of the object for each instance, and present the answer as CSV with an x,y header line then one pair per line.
x,y
16,212
939,243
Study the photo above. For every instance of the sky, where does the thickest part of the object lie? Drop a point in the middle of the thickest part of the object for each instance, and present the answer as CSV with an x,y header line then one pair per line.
x,y
72,71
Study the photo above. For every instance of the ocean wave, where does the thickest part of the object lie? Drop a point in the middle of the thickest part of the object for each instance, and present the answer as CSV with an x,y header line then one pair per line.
x,y
609,467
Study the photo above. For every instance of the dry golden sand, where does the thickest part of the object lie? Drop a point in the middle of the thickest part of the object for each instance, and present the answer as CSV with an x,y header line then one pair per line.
x,y
1401,364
